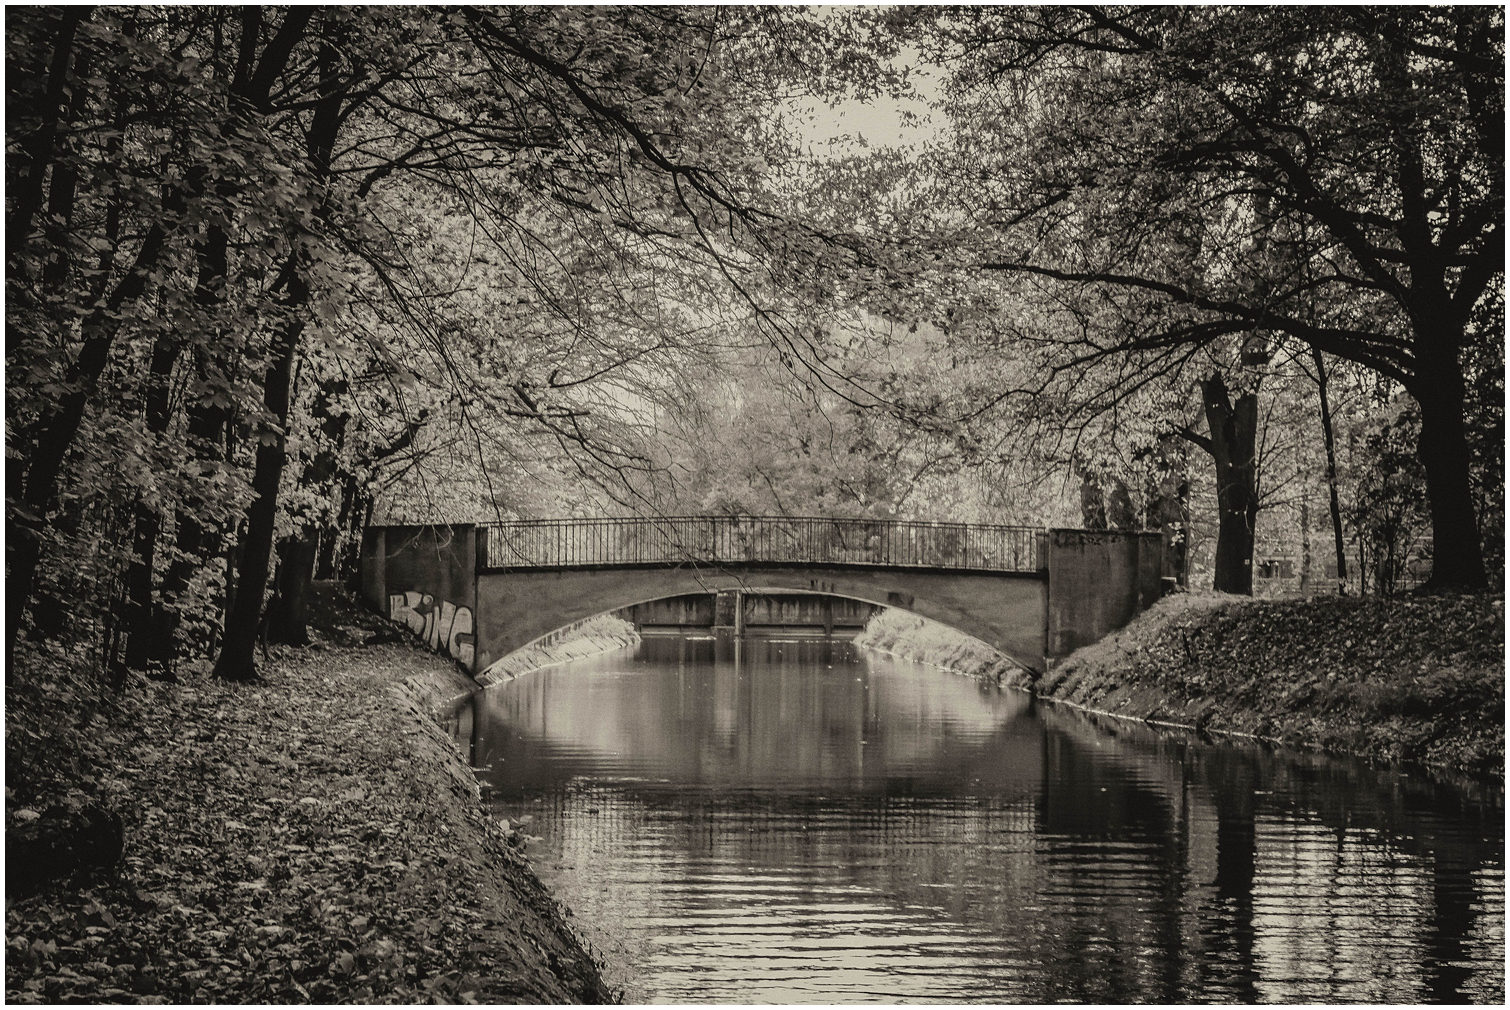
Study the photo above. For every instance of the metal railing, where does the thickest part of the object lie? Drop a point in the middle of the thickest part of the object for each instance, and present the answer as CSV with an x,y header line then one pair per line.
x,y
583,543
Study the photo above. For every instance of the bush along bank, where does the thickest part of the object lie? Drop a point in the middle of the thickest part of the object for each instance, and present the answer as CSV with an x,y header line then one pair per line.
x,y
314,837
1414,679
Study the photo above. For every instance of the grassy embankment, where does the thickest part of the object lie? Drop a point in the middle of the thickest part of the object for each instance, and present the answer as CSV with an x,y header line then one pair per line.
x,y
314,837
1418,679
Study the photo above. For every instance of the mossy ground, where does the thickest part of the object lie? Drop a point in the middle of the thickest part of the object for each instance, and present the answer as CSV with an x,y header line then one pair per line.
x,y
313,837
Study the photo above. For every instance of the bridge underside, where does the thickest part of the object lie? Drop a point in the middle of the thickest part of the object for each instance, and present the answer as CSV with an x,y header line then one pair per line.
x,y
752,612
1005,610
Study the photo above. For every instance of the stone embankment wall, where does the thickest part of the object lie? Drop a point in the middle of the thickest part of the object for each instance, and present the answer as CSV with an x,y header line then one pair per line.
x,y
591,637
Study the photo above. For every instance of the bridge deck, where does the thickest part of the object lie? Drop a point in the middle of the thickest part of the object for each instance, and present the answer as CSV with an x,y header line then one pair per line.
x,y
723,540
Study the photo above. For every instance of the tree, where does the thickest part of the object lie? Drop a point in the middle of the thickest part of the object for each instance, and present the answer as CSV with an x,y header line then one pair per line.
x,y
1387,508
1096,148
461,227
108,207
1329,437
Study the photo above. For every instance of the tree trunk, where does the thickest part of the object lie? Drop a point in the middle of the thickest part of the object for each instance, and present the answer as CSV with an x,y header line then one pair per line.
x,y
1167,509
244,616
1305,546
288,613
1120,514
351,561
1233,446
1330,438
51,438
142,646
298,554
206,438
1457,552
142,623
1092,503
35,150
1173,516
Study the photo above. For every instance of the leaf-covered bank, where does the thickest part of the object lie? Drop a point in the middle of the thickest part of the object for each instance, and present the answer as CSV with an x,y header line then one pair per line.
x,y
1417,679
312,837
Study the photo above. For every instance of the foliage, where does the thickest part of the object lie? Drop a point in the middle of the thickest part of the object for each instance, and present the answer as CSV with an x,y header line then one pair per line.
x,y
322,249
272,272
1155,193
1388,512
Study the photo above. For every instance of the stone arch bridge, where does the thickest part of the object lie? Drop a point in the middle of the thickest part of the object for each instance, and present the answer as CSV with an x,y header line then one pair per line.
x,y
479,593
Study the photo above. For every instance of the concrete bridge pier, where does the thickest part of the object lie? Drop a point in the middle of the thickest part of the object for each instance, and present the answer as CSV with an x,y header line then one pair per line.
x,y
729,611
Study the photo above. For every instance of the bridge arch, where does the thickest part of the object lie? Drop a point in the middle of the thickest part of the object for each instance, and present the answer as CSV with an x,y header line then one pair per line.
x,y
1005,610
480,593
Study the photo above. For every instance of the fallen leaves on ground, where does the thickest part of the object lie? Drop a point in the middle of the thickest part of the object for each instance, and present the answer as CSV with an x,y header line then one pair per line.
x,y
309,838
1416,678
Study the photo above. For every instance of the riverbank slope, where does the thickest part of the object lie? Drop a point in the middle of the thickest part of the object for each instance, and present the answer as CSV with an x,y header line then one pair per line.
x,y
314,837
590,637
1417,679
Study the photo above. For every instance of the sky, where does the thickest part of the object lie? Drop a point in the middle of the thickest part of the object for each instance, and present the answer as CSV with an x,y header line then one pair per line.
x,y
879,122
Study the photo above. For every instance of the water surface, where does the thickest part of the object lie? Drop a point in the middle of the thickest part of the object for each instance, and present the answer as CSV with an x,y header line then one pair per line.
x,y
796,821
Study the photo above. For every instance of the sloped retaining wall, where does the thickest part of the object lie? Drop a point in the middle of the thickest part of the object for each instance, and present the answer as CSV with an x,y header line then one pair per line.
x,y
591,637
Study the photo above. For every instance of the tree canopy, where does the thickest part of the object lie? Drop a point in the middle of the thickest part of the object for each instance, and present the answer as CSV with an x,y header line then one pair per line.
x,y
275,271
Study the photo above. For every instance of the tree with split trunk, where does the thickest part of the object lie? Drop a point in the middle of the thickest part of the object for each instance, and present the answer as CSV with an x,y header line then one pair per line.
x,y
1138,156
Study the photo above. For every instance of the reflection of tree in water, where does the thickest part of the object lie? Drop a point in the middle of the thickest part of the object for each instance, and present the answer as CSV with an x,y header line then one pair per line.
x,y
1225,920
1059,861
1403,848
1452,917
1124,884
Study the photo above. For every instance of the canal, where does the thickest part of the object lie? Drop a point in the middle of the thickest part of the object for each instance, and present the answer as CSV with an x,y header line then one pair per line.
x,y
798,821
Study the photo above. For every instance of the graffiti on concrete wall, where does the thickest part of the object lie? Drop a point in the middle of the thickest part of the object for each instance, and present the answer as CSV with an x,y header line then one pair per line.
x,y
445,627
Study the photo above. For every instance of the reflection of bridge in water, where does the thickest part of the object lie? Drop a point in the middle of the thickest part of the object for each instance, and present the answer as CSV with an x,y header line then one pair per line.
x,y
482,592
1196,871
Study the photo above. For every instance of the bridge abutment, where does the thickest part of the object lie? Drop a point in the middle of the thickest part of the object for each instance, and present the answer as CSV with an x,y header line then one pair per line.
x,y
729,611
1098,581
1034,599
